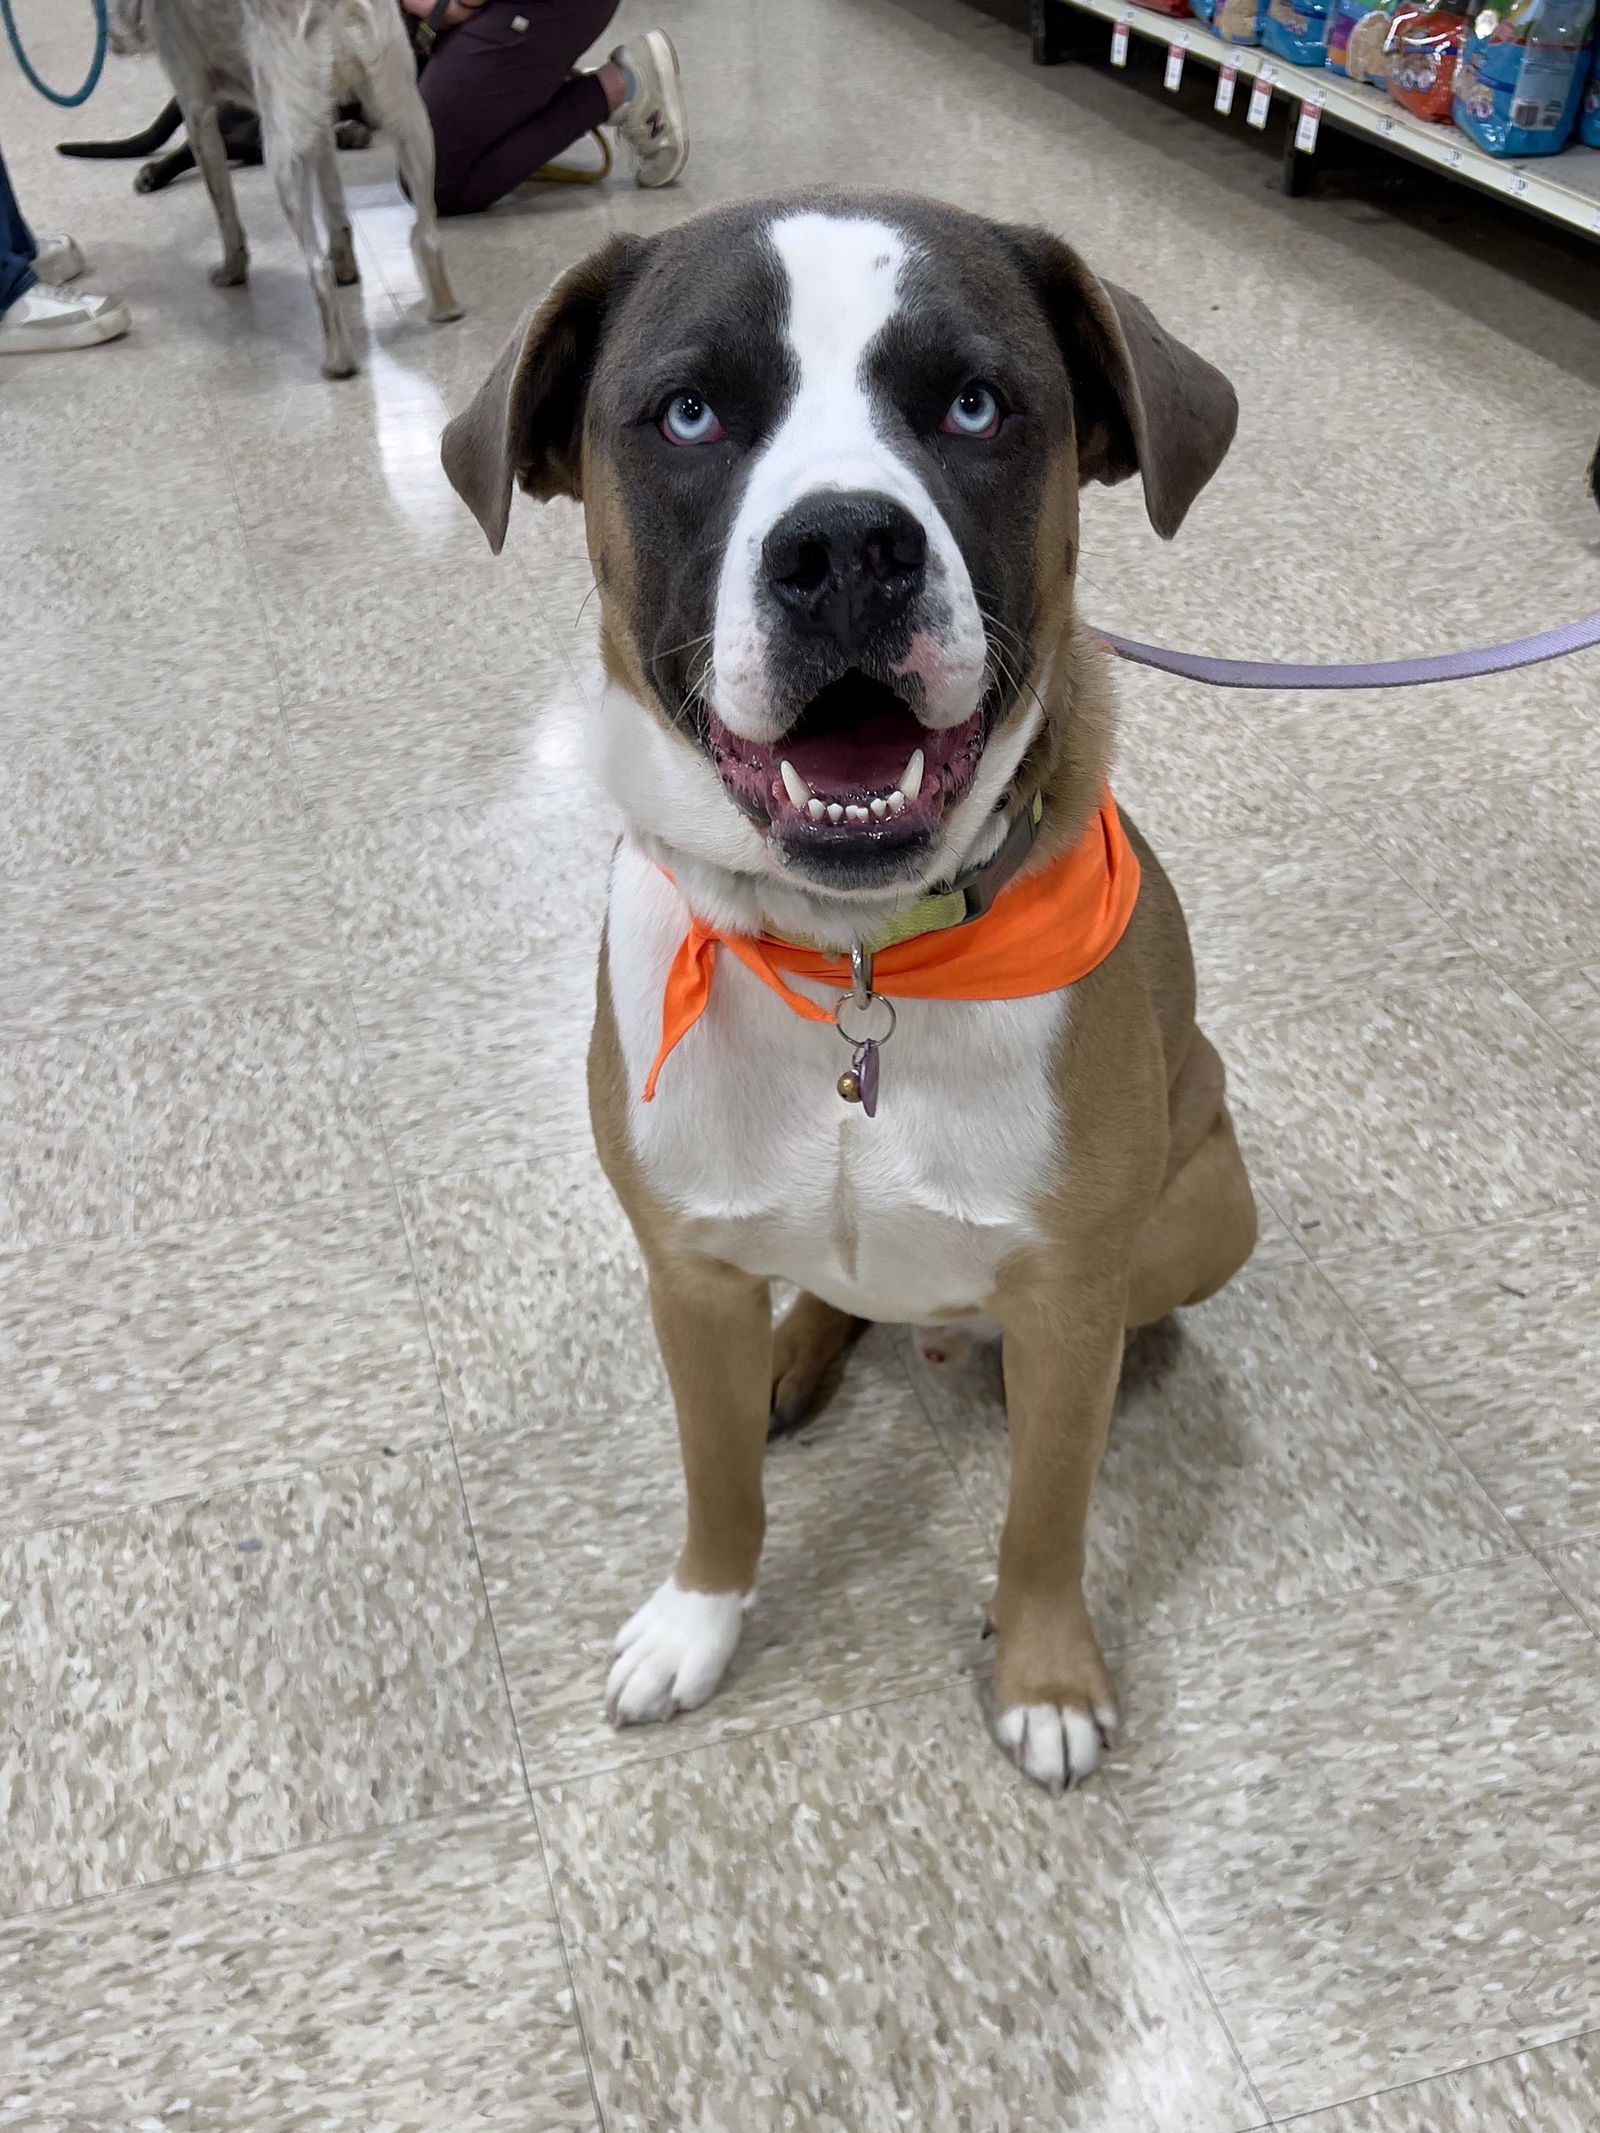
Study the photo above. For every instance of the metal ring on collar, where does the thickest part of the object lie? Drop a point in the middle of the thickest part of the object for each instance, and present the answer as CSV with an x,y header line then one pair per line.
x,y
876,999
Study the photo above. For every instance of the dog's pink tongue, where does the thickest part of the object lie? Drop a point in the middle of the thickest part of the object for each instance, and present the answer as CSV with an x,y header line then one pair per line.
x,y
869,758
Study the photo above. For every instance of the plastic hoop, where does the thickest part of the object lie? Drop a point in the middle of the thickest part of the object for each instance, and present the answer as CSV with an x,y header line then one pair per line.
x,y
56,96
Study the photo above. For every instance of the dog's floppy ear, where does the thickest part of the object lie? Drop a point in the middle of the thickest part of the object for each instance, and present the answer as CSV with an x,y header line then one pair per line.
x,y
1145,403
525,422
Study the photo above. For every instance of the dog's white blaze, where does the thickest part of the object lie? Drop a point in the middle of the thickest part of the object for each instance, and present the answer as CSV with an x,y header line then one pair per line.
x,y
843,277
899,1217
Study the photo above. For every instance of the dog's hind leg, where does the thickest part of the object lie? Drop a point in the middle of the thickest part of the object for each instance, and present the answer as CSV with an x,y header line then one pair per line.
x,y
336,214
292,76
391,99
809,1341
205,139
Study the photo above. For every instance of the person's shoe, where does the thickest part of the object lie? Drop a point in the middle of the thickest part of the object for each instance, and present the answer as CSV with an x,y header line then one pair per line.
x,y
57,259
46,318
653,121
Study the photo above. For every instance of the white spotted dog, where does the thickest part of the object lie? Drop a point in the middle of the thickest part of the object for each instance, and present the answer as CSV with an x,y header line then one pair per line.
x,y
829,450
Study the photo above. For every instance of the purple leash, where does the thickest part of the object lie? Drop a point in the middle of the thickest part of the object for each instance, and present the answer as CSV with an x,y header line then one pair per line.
x,y
1378,674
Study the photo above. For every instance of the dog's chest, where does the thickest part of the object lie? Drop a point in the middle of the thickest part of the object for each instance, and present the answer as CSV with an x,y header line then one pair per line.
x,y
906,1217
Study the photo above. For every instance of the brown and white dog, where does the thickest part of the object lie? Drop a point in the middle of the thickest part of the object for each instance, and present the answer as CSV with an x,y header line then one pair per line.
x,y
829,449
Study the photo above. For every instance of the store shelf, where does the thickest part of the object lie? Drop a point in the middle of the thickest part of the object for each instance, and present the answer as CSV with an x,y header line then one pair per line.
x,y
1566,187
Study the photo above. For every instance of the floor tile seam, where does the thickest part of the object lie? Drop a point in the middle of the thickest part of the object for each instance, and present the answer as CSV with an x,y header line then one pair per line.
x,y
1457,1457
1581,1200
15,1923
1450,1454
1449,2073
1196,1968
1488,964
224,1490
1587,1204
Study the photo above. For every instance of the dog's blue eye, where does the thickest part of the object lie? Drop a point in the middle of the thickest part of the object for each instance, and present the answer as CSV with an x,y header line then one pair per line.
x,y
974,412
690,420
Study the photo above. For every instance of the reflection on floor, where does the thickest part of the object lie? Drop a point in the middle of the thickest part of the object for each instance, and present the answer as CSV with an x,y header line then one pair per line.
x,y
333,1445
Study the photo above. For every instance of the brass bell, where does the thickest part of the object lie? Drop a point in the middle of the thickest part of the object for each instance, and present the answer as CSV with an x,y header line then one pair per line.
x,y
850,1086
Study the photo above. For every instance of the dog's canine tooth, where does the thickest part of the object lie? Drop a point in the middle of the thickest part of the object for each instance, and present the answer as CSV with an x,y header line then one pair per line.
x,y
880,808
911,780
793,784
897,802
816,809
835,811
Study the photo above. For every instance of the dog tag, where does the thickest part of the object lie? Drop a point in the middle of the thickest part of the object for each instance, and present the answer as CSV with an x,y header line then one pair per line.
x,y
1305,134
1175,52
1120,33
1227,82
867,1073
1260,99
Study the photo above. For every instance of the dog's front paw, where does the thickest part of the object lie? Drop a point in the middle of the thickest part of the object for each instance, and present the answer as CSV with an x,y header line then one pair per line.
x,y
1057,1745
1055,1710
672,1653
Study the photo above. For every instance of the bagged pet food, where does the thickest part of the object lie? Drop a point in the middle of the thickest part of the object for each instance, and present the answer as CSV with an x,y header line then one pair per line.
x,y
1589,116
1234,21
1522,75
1296,30
1343,15
1425,45
1363,35
1170,7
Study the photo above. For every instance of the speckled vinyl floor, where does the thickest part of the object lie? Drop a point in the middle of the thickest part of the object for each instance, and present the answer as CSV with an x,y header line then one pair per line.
x,y
333,1445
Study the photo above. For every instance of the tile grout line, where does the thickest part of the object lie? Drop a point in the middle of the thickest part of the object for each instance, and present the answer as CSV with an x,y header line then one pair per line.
x,y
1120,1808
1449,2073
397,1203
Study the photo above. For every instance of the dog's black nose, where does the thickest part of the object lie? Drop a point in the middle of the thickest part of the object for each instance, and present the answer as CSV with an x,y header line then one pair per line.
x,y
845,564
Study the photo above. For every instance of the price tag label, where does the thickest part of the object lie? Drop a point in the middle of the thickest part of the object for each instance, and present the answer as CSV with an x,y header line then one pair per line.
x,y
1453,158
1260,98
1120,33
1227,82
1175,52
1519,185
1305,134
1390,127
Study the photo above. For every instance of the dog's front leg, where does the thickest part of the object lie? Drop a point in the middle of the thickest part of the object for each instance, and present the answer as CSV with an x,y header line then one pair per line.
x,y
1054,1705
714,1327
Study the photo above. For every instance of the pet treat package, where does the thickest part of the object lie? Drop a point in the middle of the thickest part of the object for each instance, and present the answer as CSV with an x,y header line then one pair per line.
x,y
1234,21
1343,16
1170,7
1522,75
1425,46
1360,34
1297,30
1589,115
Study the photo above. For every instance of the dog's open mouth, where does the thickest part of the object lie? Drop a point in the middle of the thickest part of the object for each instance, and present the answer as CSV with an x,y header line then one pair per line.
x,y
856,771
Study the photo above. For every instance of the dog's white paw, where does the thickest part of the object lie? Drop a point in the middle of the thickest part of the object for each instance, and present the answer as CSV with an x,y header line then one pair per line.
x,y
1055,1745
672,1653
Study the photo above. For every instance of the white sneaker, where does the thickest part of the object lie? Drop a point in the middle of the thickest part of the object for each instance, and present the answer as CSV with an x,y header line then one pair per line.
x,y
45,318
58,259
653,121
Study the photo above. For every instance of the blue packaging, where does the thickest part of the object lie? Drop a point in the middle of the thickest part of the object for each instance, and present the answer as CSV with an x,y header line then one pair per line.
x,y
1589,115
1522,74
1297,30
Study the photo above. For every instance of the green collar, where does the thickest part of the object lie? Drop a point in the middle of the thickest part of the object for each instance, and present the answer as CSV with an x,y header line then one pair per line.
x,y
966,898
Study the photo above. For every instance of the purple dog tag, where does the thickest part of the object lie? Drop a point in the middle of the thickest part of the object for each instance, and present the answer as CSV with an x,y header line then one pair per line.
x,y
867,1069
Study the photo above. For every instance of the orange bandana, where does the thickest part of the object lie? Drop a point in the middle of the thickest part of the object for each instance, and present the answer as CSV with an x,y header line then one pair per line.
x,y
1040,935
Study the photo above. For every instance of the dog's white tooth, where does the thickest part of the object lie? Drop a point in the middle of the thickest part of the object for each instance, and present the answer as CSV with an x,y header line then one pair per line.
x,y
856,814
793,784
835,811
897,802
816,809
880,808
911,781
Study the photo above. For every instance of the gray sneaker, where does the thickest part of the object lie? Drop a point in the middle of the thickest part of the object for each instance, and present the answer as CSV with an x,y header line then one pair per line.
x,y
44,319
57,260
653,121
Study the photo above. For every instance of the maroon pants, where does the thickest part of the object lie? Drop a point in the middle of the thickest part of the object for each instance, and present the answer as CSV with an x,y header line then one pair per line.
x,y
504,99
